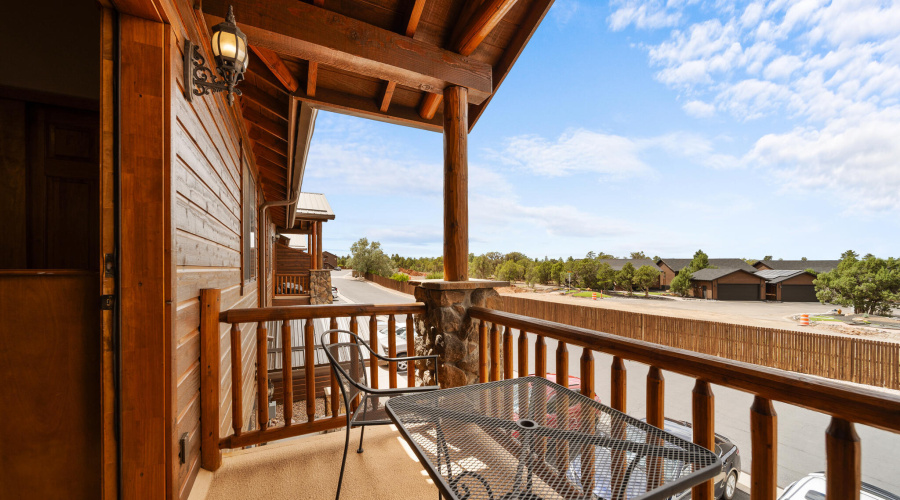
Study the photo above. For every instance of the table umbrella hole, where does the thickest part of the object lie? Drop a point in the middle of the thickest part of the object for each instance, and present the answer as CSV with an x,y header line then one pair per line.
x,y
526,423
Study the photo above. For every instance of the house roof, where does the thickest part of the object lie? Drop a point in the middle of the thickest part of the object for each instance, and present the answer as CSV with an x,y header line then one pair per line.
x,y
819,266
778,275
679,264
314,206
710,274
617,264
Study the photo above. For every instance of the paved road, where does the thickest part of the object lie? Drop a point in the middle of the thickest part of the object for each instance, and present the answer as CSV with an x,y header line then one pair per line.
x,y
801,447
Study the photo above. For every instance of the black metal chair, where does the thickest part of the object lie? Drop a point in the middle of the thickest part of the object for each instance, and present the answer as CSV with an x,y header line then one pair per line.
x,y
349,366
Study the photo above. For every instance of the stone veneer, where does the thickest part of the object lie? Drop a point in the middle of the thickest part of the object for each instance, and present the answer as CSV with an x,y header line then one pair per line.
x,y
447,330
320,287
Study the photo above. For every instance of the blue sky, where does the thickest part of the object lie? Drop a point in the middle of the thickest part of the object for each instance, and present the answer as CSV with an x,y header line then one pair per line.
x,y
750,129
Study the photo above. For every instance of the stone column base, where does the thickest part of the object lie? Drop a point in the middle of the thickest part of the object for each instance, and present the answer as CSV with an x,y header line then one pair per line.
x,y
447,330
320,287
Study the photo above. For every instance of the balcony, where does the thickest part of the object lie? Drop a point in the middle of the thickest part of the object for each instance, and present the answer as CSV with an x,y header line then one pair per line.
x,y
509,345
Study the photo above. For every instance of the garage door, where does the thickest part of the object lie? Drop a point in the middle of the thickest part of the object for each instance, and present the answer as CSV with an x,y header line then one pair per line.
x,y
798,293
738,292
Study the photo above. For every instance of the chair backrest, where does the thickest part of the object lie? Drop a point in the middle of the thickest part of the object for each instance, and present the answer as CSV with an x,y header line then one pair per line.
x,y
347,362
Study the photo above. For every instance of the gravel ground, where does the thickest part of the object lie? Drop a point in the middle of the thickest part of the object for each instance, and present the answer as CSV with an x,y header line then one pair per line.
x,y
299,412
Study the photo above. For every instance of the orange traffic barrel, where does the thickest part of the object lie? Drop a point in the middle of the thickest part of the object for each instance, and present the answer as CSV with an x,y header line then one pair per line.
x,y
804,320
593,295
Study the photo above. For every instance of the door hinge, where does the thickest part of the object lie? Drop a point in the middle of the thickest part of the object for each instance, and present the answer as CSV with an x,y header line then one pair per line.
x,y
107,302
182,444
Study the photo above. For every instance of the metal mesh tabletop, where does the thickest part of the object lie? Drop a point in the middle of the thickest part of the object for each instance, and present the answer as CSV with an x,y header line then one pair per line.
x,y
528,438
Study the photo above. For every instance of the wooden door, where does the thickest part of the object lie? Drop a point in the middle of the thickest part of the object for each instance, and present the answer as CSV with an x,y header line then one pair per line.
x,y
50,384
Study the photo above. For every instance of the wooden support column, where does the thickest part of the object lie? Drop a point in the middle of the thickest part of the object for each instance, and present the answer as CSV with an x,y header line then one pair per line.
x,y
843,470
456,184
703,409
313,246
764,450
210,381
320,262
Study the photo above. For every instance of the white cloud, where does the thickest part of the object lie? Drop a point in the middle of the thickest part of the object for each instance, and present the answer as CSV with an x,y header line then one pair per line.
x,y
699,109
643,14
563,221
859,161
782,67
576,151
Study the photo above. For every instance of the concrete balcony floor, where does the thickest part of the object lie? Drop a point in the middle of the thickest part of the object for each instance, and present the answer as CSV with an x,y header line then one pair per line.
x,y
308,468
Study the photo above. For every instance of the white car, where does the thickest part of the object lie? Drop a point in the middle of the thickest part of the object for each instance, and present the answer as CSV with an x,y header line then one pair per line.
x,y
812,487
401,345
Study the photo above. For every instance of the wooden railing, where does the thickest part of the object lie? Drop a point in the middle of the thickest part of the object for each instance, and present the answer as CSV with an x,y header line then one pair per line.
x,y
212,442
846,406
291,284
862,361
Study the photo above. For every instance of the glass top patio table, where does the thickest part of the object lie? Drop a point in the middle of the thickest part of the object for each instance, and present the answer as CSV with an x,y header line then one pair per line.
x,y
528,438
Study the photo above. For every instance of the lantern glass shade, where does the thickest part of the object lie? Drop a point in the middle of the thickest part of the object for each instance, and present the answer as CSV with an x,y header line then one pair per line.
x,y
229,46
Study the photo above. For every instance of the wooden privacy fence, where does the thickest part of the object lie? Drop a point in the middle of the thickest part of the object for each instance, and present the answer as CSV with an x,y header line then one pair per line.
x,y
400,286
854,360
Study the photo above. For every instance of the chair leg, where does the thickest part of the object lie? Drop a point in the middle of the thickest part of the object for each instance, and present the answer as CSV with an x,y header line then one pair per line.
x,y
362,431
337,496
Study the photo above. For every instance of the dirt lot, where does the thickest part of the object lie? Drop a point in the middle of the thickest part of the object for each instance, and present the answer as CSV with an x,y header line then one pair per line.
x,y
767,314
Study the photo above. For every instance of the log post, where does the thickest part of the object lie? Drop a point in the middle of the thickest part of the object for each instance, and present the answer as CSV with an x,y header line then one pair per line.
x,y
210,362
703,406
320,260
843,471
456,184
764,450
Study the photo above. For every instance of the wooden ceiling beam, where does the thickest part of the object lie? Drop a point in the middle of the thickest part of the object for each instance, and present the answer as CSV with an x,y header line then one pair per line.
x,y
312,72
302,30
353,105
411,25
429,106
468,36
273,104
274,127
268,140
527,28
263,152
276,66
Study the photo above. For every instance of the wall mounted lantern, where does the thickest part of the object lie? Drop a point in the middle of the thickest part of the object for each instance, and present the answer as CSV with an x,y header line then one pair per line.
x,y
229,46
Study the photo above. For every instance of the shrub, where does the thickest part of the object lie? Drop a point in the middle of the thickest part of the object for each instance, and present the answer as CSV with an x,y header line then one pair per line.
x,y
400,277
437,275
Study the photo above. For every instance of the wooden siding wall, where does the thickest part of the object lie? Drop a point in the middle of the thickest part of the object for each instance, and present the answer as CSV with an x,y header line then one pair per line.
x,y
291,260
206,206
854,360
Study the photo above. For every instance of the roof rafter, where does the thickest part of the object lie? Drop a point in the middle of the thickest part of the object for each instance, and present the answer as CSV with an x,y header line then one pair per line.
x,y
276,66
312,33
411,25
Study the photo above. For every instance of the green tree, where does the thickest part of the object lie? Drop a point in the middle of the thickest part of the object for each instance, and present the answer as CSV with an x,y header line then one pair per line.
x,y
768,257
558,273
368,258
606,276
638,255
646,277
481,267
510,271
681,283
585,273
700,261
625,278
543,272
870,285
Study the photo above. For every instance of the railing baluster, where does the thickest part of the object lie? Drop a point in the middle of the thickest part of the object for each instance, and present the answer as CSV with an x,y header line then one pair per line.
x,y
482,353
495,352
764,450
703,409
354,367
507,354
392,350
656,386
618,401
373,342
287,373
618,381
411,351
335,390
523,353
262,375
842,452
309,349
588,419
237,408
562,364
540,357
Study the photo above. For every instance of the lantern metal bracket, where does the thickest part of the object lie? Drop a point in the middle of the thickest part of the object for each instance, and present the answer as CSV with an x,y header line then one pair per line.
x,y
199,80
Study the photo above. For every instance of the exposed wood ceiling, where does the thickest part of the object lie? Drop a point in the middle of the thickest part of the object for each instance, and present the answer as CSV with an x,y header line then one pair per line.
x,y
387,60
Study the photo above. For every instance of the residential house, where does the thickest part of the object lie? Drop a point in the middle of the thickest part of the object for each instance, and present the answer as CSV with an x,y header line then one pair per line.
x,y
671,267
728,284
789,286
819,266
